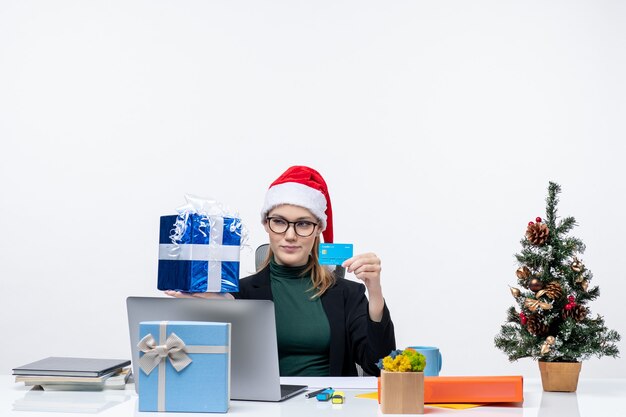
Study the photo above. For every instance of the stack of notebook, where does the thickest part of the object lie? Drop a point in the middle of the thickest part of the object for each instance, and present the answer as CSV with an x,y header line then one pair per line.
x,y
76,374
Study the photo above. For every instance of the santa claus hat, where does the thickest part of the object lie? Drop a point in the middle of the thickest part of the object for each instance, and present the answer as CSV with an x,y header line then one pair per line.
x,y
302,186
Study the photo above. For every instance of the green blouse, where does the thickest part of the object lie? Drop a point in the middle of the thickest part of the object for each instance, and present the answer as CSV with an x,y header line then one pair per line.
x,y
302,327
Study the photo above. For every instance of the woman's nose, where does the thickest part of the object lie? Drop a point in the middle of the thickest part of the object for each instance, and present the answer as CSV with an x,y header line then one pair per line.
x,y
290,233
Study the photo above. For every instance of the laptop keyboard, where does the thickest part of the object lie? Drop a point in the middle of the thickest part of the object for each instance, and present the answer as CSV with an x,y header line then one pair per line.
x,y
288,390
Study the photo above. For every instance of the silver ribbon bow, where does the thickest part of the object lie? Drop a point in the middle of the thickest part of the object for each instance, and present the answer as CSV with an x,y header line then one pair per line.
x,y
174,349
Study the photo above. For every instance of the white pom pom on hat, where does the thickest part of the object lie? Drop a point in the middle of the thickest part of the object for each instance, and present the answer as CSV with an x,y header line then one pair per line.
x,y
305,187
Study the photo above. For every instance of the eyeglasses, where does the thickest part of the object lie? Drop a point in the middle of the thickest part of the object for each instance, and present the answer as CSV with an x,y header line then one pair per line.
x,y
303,228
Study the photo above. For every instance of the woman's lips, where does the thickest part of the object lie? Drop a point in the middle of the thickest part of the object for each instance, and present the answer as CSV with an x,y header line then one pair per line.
x,y
290,249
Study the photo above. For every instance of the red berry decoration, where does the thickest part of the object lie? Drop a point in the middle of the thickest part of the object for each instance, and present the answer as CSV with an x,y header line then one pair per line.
x,y
530,223
569,306
522,318
571,299
538,219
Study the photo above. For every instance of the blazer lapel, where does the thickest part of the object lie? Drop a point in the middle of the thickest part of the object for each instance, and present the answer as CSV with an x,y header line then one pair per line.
x,y
261,288
332,301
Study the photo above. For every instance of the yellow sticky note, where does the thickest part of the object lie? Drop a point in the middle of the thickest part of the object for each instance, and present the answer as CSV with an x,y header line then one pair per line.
x,y
460,406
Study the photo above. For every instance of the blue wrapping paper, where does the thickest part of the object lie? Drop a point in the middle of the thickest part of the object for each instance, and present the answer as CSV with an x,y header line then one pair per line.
x,y
204,384
199,253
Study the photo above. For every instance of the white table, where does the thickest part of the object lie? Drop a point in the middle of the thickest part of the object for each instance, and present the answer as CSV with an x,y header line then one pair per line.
x,y
595,398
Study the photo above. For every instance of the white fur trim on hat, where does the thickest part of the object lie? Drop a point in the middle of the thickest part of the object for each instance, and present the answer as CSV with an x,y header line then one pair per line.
x,y
298,195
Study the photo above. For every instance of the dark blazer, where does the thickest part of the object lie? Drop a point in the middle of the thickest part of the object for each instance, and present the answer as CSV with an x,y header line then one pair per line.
x,y
354,338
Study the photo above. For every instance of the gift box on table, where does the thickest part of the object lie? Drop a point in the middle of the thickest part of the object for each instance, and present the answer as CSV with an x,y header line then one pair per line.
x,y
199,253
184,366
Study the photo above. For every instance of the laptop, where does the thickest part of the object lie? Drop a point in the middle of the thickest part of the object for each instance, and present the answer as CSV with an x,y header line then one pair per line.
x,y
254,373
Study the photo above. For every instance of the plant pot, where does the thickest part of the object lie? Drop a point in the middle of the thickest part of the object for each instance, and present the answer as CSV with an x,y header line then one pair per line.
x,y
402,392
559,376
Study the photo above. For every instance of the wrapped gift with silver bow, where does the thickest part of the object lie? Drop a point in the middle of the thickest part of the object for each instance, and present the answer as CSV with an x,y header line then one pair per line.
x,y
184,366
199,248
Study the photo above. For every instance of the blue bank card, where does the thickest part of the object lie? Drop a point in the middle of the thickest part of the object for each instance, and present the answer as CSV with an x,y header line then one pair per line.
x,y
335,253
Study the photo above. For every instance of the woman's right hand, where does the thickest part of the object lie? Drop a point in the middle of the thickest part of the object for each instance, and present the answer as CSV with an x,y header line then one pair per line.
x,y
207,295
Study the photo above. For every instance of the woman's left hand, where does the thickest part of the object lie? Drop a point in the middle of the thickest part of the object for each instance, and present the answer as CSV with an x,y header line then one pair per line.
x,y
365,267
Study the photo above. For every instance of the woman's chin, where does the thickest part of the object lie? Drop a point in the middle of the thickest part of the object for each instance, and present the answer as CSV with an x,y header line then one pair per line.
x,y
290,259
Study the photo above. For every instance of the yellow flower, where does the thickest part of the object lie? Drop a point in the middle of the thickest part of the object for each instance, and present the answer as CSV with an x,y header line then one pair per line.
x,y
387,363
408,360
403,363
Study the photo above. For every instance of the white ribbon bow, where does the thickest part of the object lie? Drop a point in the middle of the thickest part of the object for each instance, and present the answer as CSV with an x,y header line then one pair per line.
x,y
174,349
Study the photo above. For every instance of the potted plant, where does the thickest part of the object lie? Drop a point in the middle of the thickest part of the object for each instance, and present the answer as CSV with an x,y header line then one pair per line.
x,y
553,322
402,382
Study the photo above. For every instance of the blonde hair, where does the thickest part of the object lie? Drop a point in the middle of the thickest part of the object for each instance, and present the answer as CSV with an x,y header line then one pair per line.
x,y
321,277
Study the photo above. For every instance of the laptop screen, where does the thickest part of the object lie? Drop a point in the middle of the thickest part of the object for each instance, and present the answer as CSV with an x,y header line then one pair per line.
x,y
254,352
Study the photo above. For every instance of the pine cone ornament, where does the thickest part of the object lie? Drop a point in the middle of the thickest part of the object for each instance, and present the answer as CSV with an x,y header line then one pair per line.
x,y
577,312
536,326
553,291
537,233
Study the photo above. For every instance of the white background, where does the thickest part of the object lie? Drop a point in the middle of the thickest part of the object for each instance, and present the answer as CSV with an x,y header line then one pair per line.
x,y
437,125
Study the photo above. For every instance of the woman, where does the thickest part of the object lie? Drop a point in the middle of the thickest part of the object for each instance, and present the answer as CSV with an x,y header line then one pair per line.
x,y
324,324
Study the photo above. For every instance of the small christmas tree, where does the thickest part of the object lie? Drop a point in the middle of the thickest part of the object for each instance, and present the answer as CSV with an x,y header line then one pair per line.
x,y
554,321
